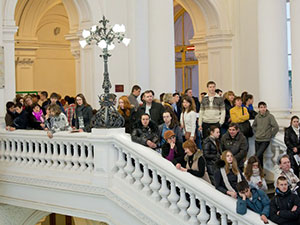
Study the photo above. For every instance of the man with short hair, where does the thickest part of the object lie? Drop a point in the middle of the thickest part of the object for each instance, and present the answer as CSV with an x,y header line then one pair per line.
x,y
54,99
212,110
44,101
255,199
135,92
237,143
265,128
285,206
176,105
154,109
284,169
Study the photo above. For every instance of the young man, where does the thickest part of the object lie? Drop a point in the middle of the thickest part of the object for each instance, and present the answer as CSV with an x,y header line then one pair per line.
x,y
286,171
155,110
145,132
176,105
212,110
237,143
54,100
135,92
265,128
285,206
21,121
255,199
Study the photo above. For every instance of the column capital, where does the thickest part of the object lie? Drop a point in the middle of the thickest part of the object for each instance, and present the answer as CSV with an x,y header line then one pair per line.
x,y
200,44
75,47
9,33
216,41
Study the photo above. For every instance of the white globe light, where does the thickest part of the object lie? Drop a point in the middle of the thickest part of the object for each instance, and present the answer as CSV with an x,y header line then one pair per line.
x,y
126,41
102,44
93,29
86,33
111,47
116,28
83,43
122,28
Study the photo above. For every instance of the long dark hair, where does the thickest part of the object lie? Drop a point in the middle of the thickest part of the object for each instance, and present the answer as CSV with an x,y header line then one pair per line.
x,y
248,169
83,99
174,120
192,104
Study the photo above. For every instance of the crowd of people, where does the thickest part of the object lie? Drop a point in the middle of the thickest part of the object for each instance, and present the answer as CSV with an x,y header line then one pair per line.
x,y
207,138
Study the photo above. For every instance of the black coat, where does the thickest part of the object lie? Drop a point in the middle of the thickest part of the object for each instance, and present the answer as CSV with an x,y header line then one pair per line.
x,y
156,112
21,121
284,202
9,118
211,151
32,123
237,145
178,153
129,120
86,112
141,134
291,140
228,106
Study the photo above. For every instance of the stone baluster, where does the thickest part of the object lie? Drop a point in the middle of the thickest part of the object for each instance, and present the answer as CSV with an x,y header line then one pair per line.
x,y
164,192
24,152
30,153
82,158
146,180
36,154
234,222
223,218
6,145
173,198
129,169
61,156
268,156
42,154
203,215
120,163
68,157
137,174
193,210
13,151
2,150
75,157
48,156
90,158
54,156
155,186
213,216
18,152
276,152
183,204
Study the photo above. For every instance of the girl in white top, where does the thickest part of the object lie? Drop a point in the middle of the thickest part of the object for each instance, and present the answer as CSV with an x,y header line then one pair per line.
x,y
188,117
254,174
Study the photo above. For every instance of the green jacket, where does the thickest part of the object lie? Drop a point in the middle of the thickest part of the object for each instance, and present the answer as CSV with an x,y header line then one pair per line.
x,y
265,127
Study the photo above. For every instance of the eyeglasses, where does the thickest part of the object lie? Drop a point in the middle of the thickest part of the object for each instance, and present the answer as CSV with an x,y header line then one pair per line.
x,y
172,137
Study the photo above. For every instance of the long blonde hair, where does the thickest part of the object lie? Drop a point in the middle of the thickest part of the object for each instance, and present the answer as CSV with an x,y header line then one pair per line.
x,y
235,168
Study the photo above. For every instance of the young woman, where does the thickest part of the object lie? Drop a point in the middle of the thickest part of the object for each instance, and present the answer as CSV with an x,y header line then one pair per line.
x,y
212,151
195,162
254,174
127,111
228,100
228,174
170,123
58,120
83,114
188,118
292,142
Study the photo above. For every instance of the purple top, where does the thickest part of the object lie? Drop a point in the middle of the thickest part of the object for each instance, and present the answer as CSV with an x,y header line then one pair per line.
x,y
171,155
38,116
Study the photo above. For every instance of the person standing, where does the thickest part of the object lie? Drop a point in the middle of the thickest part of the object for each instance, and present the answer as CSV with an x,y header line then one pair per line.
x,y
188,118
265,128
212,110
135,92
83,114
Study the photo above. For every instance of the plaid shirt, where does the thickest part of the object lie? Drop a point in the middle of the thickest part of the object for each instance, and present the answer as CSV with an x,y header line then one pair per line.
x,y
70,112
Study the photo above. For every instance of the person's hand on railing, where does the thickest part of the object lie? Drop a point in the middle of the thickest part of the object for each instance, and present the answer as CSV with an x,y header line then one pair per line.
x,y
233,194
179,167
264,219
50,135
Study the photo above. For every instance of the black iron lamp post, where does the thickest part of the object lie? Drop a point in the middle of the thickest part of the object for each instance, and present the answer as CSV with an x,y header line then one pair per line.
x,y
104,37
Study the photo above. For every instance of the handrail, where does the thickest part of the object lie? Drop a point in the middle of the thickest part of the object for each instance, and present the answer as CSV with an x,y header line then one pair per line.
x,y
158,179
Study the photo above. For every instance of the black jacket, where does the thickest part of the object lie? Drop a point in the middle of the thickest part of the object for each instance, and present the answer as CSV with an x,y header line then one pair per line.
x,y
284,202
291,140
9,118
232,178
237,145
128,119
228,106
141,134
156,112
86,112
211,151
21,121
178,153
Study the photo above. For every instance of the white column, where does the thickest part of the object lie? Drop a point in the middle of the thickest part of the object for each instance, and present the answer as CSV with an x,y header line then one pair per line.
x,y
272,55
161,46
295,35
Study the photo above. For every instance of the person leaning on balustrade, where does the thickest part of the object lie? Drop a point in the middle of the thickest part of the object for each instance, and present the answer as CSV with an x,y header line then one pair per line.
x,y
10,115
145,132
58,121
83,114
127,111
228,174
292,142
195,162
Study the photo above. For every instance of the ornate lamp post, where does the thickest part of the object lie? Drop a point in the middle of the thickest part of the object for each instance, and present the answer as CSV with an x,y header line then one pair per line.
x,y
104,37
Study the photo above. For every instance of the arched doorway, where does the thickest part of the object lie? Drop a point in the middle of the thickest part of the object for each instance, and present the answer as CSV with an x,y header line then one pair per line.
x,y
42,52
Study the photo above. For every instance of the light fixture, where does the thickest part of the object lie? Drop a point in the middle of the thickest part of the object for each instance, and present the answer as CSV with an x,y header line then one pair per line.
x,y
83,43
126,41
86,33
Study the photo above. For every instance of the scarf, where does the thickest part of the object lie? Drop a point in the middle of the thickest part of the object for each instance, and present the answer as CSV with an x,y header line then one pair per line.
x,y
226,181
256,172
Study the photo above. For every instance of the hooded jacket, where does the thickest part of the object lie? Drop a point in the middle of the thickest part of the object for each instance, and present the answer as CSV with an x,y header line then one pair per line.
x,y
265,126
284,202
141,134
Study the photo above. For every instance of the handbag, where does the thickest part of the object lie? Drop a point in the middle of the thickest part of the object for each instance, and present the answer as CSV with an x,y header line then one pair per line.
x,y
245,127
